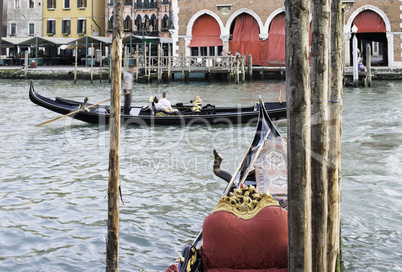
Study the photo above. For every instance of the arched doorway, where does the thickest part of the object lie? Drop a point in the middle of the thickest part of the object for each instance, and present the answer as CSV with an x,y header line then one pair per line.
x,y
245,38
276,53
371,30
206,39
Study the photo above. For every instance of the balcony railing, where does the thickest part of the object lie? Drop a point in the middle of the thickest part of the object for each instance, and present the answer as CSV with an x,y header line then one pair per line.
x,y
153,33
165,2
151,5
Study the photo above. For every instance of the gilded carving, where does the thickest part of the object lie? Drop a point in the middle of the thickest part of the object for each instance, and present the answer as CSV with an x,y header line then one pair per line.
x,y
245,203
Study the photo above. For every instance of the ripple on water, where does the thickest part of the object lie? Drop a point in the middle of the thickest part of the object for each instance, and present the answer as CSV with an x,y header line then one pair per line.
x,y
53,204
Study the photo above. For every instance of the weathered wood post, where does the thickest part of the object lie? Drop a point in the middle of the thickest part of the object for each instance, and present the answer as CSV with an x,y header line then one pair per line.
x,y
299,134
150,62
159,64
243,70
92,63
100,63
76,62
334,152
112,248
169,64
250,67
355,58
319,131
26,63
237,72
137,62
368,65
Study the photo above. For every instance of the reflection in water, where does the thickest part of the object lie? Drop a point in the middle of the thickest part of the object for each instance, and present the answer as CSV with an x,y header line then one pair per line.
x,y
53,185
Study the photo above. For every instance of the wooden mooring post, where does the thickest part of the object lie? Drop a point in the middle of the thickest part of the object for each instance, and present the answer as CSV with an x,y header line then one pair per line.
x,y
169,68
112,247
299,135
313,155
76,62
250,67
368,66
26,64
92,63
243,70
100,62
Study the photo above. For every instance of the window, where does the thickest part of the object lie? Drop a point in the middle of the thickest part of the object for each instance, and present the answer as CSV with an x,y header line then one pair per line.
x,y
66,4
51,4
65,27
81,27
17,3
165,23
13,30
31,29
153,24
110,24
127,23
82,3
51,27
31,4
137,23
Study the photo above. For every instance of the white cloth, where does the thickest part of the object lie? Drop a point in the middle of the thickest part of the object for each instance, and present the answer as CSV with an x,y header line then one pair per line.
x,y
158,106
165,102
128,81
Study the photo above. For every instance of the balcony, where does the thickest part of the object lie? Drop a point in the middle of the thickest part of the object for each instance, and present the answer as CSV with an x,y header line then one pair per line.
x,y
152,5
153,33
165,2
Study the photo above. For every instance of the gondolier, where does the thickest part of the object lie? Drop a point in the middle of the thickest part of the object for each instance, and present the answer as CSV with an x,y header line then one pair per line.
x,y
128,83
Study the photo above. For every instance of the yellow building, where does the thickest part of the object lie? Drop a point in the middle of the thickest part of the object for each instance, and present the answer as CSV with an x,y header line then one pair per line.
x,y
73,18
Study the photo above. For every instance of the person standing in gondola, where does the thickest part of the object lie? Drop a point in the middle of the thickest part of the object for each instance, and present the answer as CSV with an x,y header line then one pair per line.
x,y
128,83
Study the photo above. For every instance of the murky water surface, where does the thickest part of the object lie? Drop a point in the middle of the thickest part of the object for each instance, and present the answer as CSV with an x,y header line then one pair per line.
x,y
53,210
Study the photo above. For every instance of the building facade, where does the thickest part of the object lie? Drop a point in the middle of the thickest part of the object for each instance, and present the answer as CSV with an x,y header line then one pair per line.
x,y
142,18
257,27
24,18
73,18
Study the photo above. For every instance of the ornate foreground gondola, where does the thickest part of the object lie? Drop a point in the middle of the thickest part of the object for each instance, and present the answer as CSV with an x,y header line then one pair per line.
x,y
145,116
247,231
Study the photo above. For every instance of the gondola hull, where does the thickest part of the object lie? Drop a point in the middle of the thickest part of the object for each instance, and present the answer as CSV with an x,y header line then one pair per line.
x,y
143,116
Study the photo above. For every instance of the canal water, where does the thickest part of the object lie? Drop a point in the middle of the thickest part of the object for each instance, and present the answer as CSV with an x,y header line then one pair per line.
x,y
53,179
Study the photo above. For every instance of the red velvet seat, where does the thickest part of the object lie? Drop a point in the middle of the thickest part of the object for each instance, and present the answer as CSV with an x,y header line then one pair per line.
x,y
234,244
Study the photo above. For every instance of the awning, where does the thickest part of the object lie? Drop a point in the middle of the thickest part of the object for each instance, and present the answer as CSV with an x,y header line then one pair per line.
x,y
47,41
92,39
369,22
13,41
206,32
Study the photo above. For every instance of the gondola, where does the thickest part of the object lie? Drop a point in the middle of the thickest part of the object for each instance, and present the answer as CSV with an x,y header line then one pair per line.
x,y
247,231
147,116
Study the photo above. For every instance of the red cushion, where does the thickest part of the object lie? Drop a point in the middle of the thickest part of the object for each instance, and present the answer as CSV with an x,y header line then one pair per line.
x,y
258,243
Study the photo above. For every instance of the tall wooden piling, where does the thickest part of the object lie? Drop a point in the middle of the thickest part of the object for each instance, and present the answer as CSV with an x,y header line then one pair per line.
x,y
169,65
368,65
100,62
76,62
137,62
299,134
26,64
237,71
250,67
319,132
150,62
334,151
159,64
112,248
92,63
243,70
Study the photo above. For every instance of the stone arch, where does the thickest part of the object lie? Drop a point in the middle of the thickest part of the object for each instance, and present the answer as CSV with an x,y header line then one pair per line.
x,y
189,31
364,8
388,33
237,13
269,20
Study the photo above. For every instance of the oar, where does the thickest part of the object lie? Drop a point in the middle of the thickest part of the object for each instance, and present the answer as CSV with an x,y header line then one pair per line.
x,y
73,112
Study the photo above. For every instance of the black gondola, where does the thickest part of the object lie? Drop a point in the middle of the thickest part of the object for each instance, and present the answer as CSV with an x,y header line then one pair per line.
x,y
215,249
145,116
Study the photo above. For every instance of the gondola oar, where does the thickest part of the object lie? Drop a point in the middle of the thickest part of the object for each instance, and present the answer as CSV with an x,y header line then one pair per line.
x,y
73,112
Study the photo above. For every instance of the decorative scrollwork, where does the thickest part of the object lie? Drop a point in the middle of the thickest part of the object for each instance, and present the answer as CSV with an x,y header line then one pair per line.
x,y
245,203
